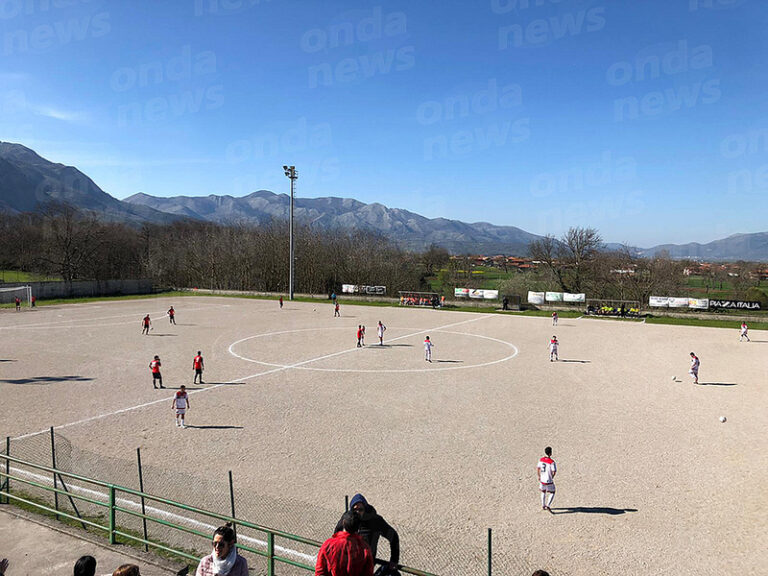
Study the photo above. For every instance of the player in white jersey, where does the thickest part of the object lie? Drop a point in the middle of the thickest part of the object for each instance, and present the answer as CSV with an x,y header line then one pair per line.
x,y
545,472
744,330
694,371
553,344
428,349
380,329
180,404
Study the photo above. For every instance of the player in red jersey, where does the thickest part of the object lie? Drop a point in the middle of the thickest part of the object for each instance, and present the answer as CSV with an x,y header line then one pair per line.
x,y
146,325
172,315
545,471
198,366
180,404
154,366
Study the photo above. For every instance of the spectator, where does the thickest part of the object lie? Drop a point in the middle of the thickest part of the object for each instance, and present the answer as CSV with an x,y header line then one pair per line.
x,y
127,570
541,573
345,553
224,560
372,526
85,566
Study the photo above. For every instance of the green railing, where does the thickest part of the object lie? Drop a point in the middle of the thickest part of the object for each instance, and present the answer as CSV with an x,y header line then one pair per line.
x,y
114,499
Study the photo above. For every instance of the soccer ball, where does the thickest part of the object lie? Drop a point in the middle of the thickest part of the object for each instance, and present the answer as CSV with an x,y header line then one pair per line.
x,y
674,378
723,418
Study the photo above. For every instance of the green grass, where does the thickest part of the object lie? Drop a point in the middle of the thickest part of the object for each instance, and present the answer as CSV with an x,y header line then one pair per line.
x,y
13,276
732,324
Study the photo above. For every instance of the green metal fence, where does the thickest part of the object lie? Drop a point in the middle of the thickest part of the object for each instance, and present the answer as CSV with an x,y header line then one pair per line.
x,y
110,505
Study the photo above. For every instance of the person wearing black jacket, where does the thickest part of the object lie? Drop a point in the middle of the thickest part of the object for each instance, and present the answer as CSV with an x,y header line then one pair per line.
x,y
372,526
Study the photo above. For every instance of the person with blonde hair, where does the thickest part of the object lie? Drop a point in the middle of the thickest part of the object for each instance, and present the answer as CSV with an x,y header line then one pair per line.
x,y
127,570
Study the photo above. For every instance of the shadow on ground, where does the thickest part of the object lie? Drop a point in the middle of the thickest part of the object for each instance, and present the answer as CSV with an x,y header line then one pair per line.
x,y
46,380
215,427
592,510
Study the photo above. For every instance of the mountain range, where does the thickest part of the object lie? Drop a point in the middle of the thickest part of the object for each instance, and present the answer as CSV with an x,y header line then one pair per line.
x,y
28,181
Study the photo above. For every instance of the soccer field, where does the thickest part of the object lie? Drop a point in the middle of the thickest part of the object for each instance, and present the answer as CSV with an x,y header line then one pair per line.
x,y
649,480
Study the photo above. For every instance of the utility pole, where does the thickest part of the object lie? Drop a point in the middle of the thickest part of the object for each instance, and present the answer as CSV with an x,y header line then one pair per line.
x,y
293,174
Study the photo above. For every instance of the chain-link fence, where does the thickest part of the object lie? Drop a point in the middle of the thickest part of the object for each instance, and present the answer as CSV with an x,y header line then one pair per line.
x,y
464,553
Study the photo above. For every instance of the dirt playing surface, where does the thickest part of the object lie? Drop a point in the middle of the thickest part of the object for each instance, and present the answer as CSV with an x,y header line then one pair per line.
x,y
649,480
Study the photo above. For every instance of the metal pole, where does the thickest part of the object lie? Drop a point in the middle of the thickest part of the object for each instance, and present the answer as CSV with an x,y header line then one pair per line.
x,y
112,514
270,554
7,469
55,481
141,489
489,552
292,174
292,271
232,501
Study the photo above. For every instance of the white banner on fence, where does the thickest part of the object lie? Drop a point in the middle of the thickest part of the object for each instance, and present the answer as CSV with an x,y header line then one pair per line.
x,y
461,292
567,297
554,296
490,294
678,302
658,301
698,303
536,297
371,290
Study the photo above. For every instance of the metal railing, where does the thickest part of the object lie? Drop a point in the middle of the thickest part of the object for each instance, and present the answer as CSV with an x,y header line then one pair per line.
x,y
113,499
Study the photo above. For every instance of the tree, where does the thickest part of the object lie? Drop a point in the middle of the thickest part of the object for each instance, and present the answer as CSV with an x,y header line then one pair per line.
x,y
569,258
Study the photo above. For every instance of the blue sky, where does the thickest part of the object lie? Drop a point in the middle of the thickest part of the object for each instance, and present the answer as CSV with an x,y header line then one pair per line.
x,y
646,120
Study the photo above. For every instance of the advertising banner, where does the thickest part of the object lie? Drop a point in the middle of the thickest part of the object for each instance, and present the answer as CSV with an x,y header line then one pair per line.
x,y
574,297
370,290
698,303
678,302
461,292
746,305
658,301
536,297
554,296
475,293
490,294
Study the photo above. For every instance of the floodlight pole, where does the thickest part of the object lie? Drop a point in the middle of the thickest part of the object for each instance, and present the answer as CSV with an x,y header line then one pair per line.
x,y
293,174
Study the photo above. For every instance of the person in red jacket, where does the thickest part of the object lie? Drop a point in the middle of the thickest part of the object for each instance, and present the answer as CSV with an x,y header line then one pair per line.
x,y
345,553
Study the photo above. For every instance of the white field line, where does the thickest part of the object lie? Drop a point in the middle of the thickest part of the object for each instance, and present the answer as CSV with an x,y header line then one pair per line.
x,y
136,506
215,386
89,322
374,345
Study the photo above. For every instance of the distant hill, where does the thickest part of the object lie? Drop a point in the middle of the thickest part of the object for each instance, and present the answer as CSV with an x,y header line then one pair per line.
x,y
407,229
28,181
751,247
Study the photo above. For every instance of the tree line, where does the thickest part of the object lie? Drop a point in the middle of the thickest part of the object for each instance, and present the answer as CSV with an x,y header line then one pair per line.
x,y
64,242
61,241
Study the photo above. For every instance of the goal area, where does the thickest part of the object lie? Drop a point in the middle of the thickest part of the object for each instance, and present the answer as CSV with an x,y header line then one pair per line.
x,y
23,293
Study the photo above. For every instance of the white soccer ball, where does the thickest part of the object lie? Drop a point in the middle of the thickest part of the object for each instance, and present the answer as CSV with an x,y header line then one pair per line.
x,y
674,378
723,418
